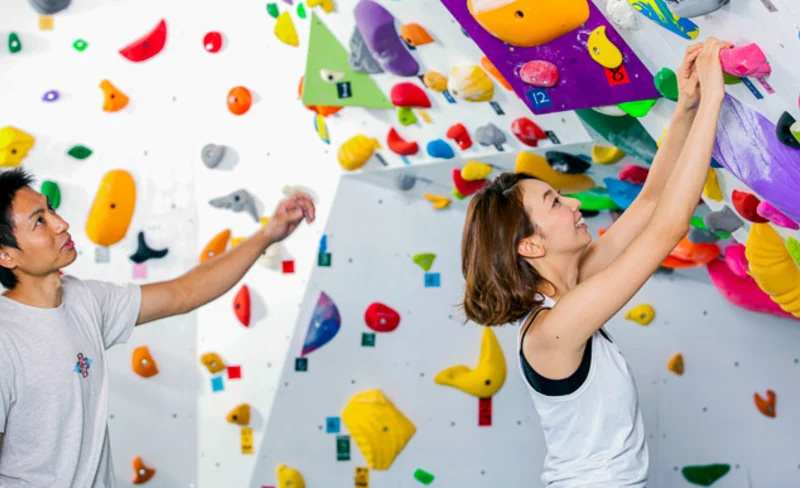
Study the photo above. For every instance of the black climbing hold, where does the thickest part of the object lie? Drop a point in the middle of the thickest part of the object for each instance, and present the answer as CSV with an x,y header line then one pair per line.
x,y
567,163
782,130
144,252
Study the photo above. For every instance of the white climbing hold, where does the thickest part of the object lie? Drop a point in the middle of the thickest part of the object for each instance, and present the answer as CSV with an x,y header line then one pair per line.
x,y
622,13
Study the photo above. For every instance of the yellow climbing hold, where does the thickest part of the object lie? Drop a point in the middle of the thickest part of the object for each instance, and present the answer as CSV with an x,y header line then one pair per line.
x,y
240,415
378,428
435,81
641,314
711,189
355,152
14,146
537,166
439,202
658,144
285,31
773,268
474,171
469,82
289,478
793,246
488,376
213,362
606,155
602,50
235,241
327,5
676,364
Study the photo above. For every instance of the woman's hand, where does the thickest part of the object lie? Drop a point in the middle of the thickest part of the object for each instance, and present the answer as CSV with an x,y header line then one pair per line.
x,y
709,70
688,84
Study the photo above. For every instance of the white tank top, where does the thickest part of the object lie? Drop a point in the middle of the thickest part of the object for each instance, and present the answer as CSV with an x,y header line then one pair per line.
x,y
595,435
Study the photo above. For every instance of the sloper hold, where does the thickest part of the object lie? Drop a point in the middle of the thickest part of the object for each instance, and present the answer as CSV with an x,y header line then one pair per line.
x,y
239,415
766,405
467,188
747,205
212,154
440,149
633,174
404,181
490,135
216,245
142,362
424,260
705,475
376,25
527,131
747,60
415,35
743,292
289,477
241,305
400,146
773,268
474,171
675,364
736,260
602,50
381,318
621,12
488,376
323,326
772,214
625,133
666,82
285,31
622,192
538,167
146,46
238,201
658,12
639,108
702,236
113,99
435,81
50,7
14,146
606,155
692,255
360,57
695,8
724,221
408,94
566,163
469,82
141,473
112,210
529,23
783,130
145,252
540,73
356,151
51,190
459,134
212,362
594,200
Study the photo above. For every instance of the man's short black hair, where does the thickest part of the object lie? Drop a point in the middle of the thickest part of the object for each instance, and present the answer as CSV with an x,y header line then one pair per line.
x,y
11,181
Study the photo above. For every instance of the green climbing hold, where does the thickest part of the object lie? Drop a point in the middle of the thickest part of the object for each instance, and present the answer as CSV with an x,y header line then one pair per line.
x,y
667,84
406,116
730,79
79,152
80,45
272,8
639,108
705,475
793,246
698,223
423,477
595,199
457,194
424,260
51,190
301,11
14,45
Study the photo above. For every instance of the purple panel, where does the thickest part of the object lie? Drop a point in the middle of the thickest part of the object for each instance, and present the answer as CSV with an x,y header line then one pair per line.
x,y
583,82
748,147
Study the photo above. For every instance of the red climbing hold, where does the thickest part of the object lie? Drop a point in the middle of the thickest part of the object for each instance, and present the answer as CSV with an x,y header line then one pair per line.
x,y
527,131
747,205
766,405
633,174
148,45
539,73
465,187
212,42
400,146
241,306
381,318
408,94
459,133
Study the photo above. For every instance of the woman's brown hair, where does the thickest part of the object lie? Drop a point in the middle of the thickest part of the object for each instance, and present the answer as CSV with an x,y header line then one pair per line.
x,y
501,287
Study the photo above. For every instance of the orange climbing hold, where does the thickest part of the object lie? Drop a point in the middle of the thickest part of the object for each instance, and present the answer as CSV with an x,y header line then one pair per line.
x,y
241,305
113,99
112,209
143,363
491,69
415,35
141,473
239,100
216,246
766,406
323,110
690,255
240,415
676,364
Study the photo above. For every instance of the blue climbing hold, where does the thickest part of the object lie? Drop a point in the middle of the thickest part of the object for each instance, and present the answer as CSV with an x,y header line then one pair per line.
x,y
715,163
440,149
323,243
325,324
622,193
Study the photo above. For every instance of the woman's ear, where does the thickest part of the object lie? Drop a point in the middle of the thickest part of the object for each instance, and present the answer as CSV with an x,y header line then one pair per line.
x,y
530,247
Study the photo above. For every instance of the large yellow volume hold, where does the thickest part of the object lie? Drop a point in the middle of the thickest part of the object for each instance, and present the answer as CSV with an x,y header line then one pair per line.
x,y
773,268
537,166
378,428
14,146
488,376
112,209
529,23
356,151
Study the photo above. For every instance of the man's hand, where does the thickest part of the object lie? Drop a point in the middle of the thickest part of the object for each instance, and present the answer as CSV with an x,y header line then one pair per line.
x,y
288,215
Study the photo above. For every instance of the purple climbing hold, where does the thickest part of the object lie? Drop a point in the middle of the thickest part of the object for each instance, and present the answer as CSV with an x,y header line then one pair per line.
x,y
377,28
543,74
51,96
324,325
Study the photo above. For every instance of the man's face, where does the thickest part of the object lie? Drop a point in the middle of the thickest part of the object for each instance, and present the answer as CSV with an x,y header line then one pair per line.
x,y
45,246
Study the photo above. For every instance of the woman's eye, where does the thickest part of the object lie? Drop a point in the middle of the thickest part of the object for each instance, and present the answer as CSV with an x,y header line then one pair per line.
x,y
555,201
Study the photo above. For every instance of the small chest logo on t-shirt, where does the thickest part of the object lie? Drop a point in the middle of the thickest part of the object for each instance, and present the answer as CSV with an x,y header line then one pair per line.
x,y
83,364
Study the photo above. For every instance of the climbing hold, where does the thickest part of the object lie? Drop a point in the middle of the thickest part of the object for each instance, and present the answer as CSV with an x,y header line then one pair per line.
x,y
381,318
538,167
51,96
399,146
488,376
212,42
658,12
143,363
666,82
239,100
378,428
216,246
606,155
736,260
527,131
289,478
705,475
50,7
14,44
439,202
748,60
239,415
404,181
377,28
641,314
529,24
794,129
566,163
676,364
408,94
540,73
284,30
772,214
621,12
701,236
423,477
602,50
469,82
238,201
424,260
356,151
492,70
321,128
112,209
301,10
272,10
711,189
459,134
327,5
415,35
79,152
324,325
406,116
14,146
435,81
695,8
360,56
773,268
141,473
622,192
594,200
611,111
212,362
783,129
697,222
746,204
687,254
464,187
212,154
440,149
113,99
474,171
743,292
639,108
146,46
723,220
730,79
51,190
241,305
633,174
766,405
793,248
144,252
80,45
490,135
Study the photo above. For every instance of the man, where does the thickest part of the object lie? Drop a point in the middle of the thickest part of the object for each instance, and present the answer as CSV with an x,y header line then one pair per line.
x,y
54,332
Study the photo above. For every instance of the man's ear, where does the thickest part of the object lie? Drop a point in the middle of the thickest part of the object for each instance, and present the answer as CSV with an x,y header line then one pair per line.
x,y
530,247
6,260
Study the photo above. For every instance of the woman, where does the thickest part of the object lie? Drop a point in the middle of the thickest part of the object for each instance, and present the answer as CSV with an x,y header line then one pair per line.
x,y
527,257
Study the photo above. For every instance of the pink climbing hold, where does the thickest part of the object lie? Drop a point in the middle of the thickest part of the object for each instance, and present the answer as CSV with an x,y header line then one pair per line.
x,y
736,260
766,210
539,73
633,174
743,293
747,60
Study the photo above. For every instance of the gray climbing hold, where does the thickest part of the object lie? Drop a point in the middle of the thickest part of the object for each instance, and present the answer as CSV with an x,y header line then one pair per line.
x,y
239,201
50,7
360,56
722,221
490,135
695,8
404,181
212,154
702,236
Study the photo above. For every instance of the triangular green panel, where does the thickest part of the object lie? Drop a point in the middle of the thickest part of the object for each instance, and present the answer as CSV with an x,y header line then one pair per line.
x,y
325,52
425,260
